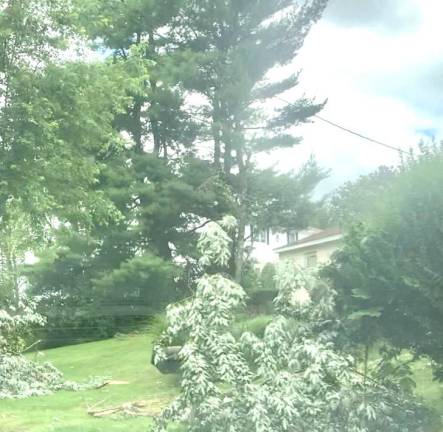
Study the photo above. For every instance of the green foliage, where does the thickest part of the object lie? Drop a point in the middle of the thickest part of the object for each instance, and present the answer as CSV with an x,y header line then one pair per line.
x,y
389,273
146,282
122,138
255,325
355,201
284,200
156,112
290,377
63,277
250,279
56,119
58,127
267,277
17,320
19,376
93,289
123,359
22,378
156,326
16,237
260,287
231,46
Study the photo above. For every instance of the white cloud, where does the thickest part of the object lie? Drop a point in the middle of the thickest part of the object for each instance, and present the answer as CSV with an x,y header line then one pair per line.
x,y
386,15
378,82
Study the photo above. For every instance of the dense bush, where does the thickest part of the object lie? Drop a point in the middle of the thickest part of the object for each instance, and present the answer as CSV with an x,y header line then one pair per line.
x,y
89,294
389,273
267,278
260,288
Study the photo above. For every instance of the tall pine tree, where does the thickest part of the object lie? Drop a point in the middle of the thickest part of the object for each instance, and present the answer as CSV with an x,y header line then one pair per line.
x,y
236,44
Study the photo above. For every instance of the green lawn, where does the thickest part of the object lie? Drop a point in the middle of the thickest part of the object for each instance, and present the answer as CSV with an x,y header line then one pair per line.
x,y
125,359
427,388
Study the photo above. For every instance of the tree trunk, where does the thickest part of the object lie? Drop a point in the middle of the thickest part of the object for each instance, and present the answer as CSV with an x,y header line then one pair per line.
x,y
242,213
156,136
239,250
161,244
9,277
137,126
228,159
365,370
216,132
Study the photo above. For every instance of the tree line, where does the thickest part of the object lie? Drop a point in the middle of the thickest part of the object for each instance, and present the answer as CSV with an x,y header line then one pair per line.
x,y
124,127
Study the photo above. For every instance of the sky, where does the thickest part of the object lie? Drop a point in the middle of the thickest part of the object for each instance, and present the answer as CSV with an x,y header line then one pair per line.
x,y
379,64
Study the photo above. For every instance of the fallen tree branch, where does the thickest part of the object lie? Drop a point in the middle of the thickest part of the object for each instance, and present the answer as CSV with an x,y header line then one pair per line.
x,y
142,408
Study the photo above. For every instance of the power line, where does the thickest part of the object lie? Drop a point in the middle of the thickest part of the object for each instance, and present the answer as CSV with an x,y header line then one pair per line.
x,y
391,147
352,132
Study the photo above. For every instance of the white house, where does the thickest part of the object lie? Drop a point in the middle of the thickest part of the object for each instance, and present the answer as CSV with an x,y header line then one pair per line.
x,y
313,249
265,243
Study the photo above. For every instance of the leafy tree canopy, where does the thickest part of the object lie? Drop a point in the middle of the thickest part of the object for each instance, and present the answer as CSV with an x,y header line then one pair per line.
x,y
389,272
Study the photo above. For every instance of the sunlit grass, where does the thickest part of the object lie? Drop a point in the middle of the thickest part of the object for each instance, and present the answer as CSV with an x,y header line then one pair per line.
x,y
430,390
125,359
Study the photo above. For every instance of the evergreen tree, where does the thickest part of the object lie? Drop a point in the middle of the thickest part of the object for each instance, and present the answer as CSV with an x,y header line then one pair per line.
x,y
172,189
235,44
155,118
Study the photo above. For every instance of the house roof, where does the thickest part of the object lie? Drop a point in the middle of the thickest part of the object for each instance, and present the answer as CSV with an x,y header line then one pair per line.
x,y
324,236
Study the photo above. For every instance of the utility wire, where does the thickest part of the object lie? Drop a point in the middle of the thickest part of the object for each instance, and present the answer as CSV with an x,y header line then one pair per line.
x,y
350,131
391,147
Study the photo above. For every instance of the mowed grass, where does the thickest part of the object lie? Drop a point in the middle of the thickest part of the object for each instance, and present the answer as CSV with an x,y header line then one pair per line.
x,y
430,390
123,359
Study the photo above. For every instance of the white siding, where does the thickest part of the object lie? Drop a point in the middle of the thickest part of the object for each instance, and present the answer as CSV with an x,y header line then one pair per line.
x,y
323,251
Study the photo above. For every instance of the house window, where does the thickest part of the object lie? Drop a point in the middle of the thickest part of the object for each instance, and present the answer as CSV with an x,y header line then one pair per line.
x,y
260,236
292,236
311,259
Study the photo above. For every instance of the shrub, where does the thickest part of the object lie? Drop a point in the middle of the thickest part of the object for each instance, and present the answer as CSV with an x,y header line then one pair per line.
x,y
267,277
255,325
